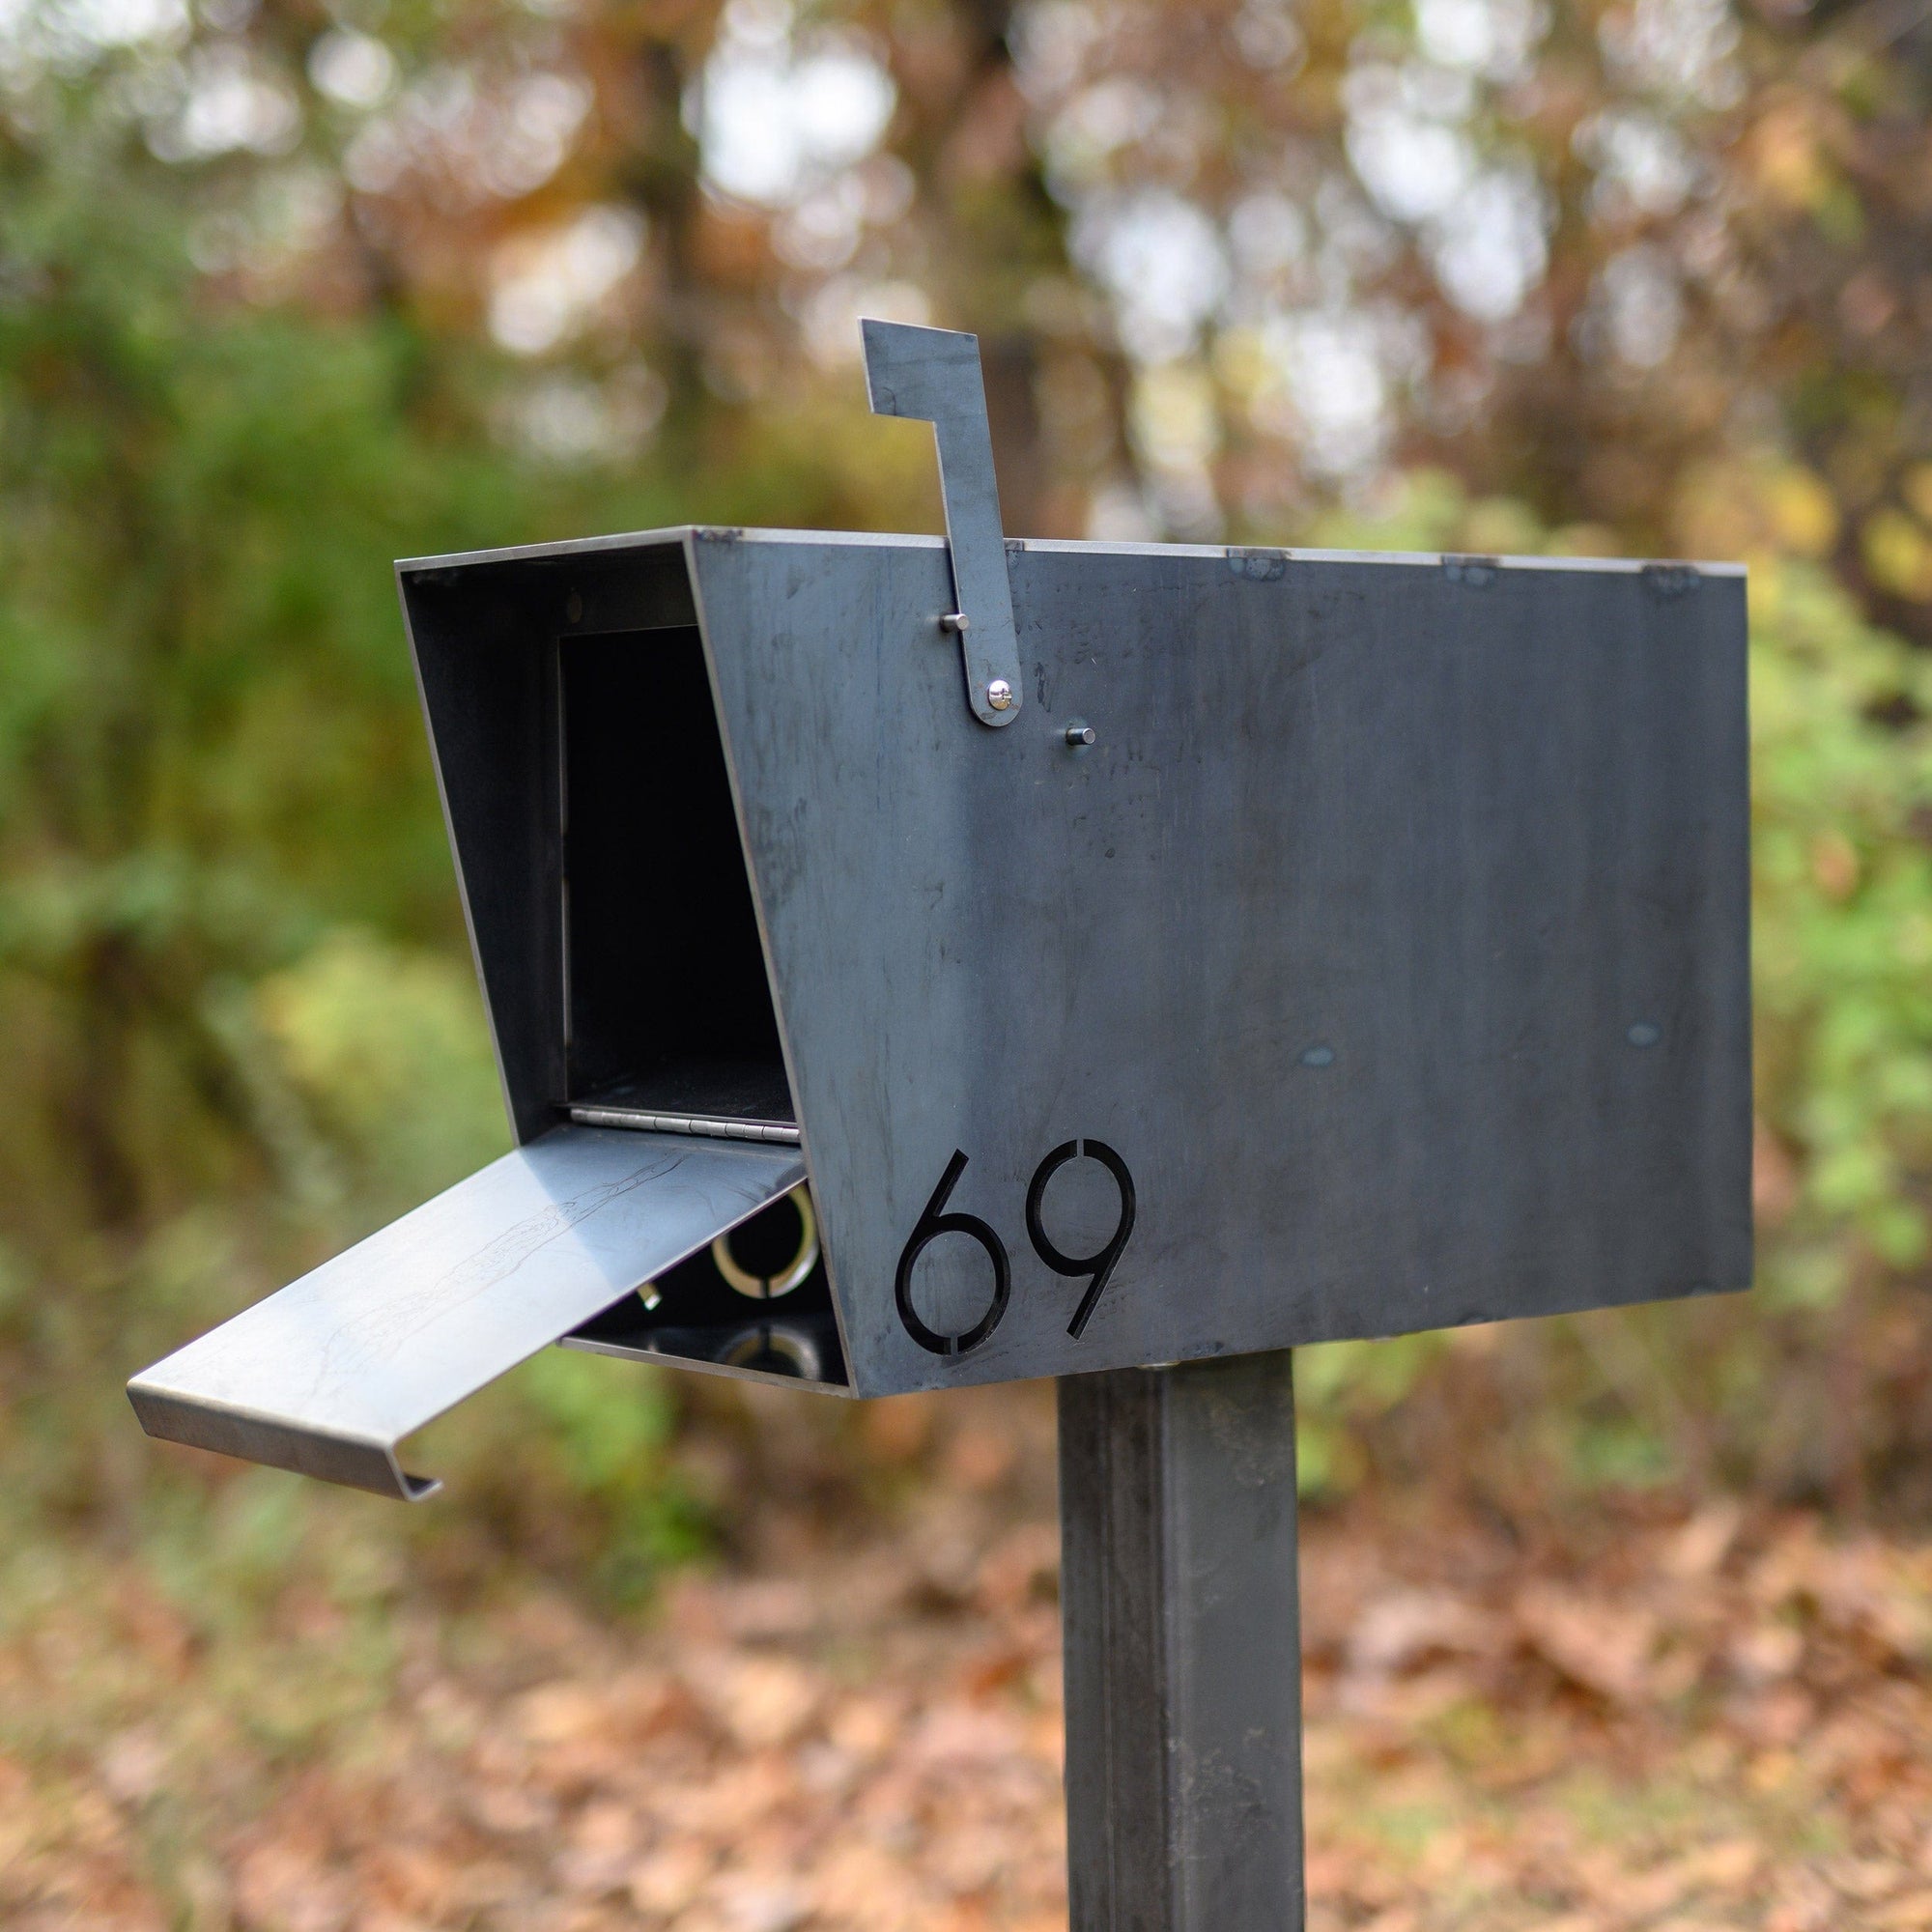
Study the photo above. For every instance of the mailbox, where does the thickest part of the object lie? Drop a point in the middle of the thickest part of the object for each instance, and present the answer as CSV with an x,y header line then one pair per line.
x,y
916,963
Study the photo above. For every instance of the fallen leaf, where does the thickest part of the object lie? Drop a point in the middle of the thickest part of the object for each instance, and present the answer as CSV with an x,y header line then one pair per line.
x,y
1604,1647
670,1880
1408,1628
761,1701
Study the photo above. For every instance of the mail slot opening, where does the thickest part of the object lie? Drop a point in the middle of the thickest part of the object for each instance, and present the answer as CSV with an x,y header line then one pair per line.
x,y
668,1012
757,1301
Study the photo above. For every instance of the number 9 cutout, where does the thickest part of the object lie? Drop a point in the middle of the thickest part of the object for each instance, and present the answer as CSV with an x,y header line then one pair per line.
x,y
1100,1265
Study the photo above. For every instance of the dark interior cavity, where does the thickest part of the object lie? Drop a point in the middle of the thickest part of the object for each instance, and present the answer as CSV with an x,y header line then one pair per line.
x,y
666,1004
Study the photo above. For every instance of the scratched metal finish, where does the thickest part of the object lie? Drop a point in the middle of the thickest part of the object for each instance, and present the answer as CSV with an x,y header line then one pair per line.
x,y
1394,931
326,1377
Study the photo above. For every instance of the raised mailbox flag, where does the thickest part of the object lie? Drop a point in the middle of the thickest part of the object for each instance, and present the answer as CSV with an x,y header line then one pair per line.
x,y
1274,946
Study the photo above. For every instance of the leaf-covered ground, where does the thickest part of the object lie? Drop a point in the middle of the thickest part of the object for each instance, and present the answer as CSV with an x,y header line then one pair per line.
x,y
1652,1719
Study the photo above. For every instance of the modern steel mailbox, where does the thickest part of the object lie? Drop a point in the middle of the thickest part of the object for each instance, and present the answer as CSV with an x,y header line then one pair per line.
x,y
1261,948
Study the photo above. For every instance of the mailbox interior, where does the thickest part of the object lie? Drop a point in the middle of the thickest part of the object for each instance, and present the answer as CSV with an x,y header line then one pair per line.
x,y
665,1004
597,843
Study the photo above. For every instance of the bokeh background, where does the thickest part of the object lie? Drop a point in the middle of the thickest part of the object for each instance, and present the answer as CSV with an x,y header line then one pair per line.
x,y
290,288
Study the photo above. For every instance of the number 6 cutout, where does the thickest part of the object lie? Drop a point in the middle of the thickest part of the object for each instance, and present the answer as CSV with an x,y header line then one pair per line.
x,y
1100,1265
931,1225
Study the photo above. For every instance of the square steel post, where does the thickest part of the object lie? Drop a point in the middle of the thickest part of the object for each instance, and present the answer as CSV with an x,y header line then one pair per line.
x,y
1183,1648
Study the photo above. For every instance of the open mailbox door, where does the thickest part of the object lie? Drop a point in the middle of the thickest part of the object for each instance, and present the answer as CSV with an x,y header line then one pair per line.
x,y
329,1375
1273,947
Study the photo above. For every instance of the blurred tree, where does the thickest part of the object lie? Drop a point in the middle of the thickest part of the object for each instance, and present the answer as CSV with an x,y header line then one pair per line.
x,y
1652,269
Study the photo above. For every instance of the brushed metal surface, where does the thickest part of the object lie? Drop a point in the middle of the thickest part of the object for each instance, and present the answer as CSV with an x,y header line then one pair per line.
x,y
331,1374
933,375
1394,932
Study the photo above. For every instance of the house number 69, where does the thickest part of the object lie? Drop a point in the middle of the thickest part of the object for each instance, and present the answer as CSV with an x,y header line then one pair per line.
x,y
934,1221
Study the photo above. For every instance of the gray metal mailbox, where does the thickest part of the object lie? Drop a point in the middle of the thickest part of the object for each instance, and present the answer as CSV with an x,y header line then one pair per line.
x,y
1263,948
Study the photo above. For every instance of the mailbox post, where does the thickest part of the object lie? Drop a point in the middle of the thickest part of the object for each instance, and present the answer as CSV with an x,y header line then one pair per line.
x,y
1181,1625
1261,948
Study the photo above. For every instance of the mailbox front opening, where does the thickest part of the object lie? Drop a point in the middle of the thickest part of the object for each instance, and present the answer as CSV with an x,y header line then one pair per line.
x,y
667,1015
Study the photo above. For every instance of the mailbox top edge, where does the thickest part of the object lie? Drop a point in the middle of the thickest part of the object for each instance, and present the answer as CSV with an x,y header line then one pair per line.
x,y
672,537
680,535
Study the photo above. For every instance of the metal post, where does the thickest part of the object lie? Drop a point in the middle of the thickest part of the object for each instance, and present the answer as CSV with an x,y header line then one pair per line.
x,y
1183,1648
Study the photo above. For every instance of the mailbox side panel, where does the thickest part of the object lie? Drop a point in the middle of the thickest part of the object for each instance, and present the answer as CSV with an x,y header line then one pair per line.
x,y
484,632
1393,937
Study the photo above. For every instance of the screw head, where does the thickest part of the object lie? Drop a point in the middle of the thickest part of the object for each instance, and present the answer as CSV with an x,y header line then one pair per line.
x,y
999,695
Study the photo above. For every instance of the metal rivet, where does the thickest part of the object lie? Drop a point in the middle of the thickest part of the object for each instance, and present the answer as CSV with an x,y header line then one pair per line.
x,y
1643,1033
999,695
1318,1056
1081,734
956,620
